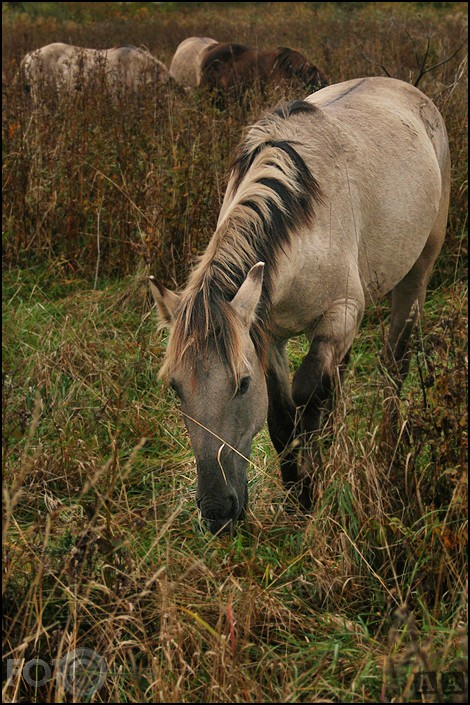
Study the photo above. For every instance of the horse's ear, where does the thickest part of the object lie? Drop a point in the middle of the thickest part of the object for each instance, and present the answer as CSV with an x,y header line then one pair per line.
x,y
166,301
247,297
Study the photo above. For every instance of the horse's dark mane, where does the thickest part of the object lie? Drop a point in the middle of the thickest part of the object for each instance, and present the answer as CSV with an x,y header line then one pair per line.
x,y
273,194
294,107
280,222
293,64
247,153
223,53
290,60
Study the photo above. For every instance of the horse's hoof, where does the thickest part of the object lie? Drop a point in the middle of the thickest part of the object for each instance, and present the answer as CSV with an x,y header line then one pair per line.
x,y
304,496
299,495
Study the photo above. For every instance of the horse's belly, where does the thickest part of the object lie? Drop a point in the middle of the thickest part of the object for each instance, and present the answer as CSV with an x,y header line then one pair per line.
x,y
386,254
342,267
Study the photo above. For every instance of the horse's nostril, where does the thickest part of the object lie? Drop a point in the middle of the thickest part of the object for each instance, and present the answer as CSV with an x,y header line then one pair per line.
x,y
219,516
234,511
219,526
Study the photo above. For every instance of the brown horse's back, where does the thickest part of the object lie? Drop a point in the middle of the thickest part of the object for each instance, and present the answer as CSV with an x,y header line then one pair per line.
x,y
235,68
227,66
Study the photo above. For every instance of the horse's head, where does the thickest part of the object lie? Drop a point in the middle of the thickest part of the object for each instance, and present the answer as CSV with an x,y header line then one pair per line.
x,y
313,78
220,382
293,64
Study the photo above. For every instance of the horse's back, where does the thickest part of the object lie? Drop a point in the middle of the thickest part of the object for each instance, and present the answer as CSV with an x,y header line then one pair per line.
x,y
375,100
130,67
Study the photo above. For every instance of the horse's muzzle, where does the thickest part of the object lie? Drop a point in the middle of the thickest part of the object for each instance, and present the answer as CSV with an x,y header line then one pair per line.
x,y
220,516
219,526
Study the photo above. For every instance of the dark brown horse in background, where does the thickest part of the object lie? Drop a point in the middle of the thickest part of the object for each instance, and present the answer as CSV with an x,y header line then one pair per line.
x,y
232,69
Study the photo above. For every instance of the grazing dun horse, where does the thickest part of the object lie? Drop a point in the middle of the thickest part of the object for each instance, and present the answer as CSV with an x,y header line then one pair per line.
x,y
185,65
68,68
332,202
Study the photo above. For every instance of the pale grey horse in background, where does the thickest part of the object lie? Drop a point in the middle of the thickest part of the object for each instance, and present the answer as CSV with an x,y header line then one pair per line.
x,y
333,202
185,67
68,68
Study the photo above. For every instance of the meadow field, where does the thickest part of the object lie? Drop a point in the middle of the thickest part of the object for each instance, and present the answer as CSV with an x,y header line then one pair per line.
x,y
105,563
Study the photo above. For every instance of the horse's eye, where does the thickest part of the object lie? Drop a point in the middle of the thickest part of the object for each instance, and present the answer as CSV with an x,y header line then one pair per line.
x,y
243,385
175,387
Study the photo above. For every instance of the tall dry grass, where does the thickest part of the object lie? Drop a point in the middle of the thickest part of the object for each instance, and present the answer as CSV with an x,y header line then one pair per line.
x,y
101,544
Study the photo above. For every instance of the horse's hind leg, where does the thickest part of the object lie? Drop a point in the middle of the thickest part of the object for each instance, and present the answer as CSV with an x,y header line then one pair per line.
x,y
407,308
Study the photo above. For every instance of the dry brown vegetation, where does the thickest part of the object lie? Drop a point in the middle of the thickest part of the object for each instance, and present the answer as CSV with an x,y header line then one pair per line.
x,y
101,544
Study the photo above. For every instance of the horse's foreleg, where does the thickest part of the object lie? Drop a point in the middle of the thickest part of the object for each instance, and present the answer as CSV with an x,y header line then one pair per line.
x,y
281,413
315,381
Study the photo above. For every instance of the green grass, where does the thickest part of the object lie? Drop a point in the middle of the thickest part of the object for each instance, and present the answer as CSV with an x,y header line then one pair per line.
x,y
103,545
